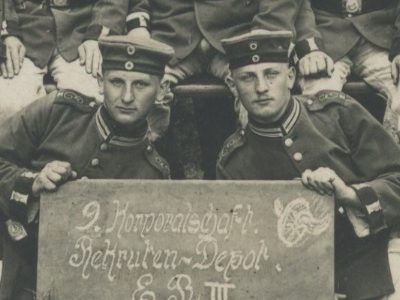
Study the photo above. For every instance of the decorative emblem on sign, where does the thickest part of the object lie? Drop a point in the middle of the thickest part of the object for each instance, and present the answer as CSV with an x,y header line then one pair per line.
x,y
296,222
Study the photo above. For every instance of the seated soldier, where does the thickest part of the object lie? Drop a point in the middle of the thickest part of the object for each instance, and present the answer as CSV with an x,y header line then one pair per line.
x,y
333,144
194,28
57,37
65,136
363,37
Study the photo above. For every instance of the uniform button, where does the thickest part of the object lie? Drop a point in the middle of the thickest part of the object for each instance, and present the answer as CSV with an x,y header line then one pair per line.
x,y
242,132
95,162
298,156
92,104
309,102
103,147
288,142
149,148
341,210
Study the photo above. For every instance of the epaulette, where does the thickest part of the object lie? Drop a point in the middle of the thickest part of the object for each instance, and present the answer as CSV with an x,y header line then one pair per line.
x,y
157,161
324,99
235,141
76,100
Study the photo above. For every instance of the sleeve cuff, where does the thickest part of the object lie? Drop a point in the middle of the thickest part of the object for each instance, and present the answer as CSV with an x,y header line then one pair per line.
x,y
10,28
93,32
306,46
395,48
372,208
20,195
137,19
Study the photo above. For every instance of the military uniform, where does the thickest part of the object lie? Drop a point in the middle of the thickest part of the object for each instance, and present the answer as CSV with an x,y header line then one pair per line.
x,y
331,130
52,31
362,36
69,127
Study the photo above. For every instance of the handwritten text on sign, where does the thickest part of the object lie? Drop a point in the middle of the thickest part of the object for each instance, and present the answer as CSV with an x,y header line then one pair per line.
x,y
185,240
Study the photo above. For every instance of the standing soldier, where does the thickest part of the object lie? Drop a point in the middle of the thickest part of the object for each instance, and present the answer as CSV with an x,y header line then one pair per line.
x,y
334,145
55,36
363,37
65,136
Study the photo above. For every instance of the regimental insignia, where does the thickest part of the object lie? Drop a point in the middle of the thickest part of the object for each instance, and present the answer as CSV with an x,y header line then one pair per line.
x,y
77,100
234,142
16,230
324,99
157,161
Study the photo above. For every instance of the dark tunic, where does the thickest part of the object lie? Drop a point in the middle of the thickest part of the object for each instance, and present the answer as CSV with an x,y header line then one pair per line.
x,y
64,126
331,130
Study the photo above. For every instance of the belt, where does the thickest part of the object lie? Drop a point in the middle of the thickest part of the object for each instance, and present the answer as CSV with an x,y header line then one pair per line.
x,y
349,8
64,3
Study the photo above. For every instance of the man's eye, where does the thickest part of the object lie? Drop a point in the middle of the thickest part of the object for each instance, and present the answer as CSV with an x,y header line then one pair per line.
x,y
141,84
116,82
246,77
271,75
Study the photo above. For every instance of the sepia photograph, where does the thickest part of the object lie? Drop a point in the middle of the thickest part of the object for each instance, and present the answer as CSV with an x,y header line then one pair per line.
x,y
199,149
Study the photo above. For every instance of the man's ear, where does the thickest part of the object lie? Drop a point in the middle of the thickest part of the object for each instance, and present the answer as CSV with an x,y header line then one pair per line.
x,y
291,77
164,91
100,81
231,85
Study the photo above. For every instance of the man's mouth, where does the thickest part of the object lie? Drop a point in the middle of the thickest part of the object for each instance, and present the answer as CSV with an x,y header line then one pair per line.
x,y
126,109
264,100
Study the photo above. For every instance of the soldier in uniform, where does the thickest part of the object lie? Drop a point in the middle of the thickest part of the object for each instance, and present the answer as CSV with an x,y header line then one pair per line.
x,y
57,37
363,37
66,135
194,28
334,145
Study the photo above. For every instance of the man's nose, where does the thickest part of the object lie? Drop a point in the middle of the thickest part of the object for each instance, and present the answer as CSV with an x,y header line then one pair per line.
x,y
128,96
262,85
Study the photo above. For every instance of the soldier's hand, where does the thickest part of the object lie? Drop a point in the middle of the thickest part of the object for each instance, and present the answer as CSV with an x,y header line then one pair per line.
x,y
15,53
90,56
140,32
314,63
51,176
325,181
396,69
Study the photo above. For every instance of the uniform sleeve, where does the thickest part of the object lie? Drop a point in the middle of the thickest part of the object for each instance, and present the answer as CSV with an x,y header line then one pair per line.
x,y
139,14
376,157
395,48
9,18
108,16
294,15
19,138
308,38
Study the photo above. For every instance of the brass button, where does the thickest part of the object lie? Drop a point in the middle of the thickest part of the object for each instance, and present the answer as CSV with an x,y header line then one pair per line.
x,y
149,148
288,142
309,102
298,156
341,210
92,104
103,147
95,162
242,132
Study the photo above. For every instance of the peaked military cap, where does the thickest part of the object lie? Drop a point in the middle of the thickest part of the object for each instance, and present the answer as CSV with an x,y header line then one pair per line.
x,y
134,54
257,46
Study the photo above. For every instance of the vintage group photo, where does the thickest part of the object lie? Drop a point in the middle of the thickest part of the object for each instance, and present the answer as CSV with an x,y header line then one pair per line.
x,y
199,149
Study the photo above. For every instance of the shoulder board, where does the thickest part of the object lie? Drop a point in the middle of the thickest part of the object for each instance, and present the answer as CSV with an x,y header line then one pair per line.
x,y
235,141
157,161
324,99
76,100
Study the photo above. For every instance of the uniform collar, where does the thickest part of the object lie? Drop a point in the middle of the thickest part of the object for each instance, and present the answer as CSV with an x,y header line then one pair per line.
x,y
281,127
116,134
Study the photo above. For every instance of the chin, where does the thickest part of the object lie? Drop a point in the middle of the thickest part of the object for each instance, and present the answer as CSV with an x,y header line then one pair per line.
x,y
124,120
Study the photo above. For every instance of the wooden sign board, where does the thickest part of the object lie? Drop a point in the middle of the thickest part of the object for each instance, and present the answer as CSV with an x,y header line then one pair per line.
x,y
192,240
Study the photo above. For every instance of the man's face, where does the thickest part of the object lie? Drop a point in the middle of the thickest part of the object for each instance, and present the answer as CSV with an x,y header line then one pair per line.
x,y
264,89
129,96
